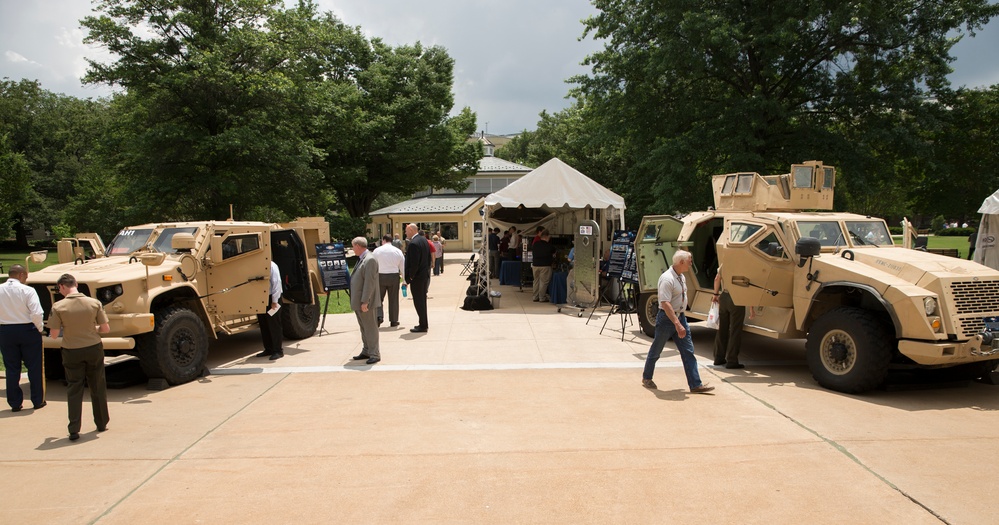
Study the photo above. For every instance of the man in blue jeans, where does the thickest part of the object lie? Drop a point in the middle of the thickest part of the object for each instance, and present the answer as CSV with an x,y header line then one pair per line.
x,y
672,323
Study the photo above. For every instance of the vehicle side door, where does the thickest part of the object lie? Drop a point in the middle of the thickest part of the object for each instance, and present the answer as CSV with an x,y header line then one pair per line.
x,y
288,251
756,267
238,281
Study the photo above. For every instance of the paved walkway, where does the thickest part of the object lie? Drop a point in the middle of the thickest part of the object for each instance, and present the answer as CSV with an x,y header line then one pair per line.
x,y
517,415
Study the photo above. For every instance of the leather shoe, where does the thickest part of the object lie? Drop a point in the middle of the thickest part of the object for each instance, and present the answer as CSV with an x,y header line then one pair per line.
x,y
373,360
719,362
265,353
360,356
418,329
393,324
647,383
703,389
102,429
734,366
15,409
40,405
74,436
276,355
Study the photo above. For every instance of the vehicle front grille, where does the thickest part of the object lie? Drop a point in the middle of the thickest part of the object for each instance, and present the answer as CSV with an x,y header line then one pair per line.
x,y
974,300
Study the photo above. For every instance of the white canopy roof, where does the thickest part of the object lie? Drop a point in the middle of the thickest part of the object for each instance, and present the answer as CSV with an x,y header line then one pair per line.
x,y
555,185
991,204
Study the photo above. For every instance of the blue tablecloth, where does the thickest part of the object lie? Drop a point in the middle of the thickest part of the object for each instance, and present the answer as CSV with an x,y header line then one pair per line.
x,y
556,288
510,273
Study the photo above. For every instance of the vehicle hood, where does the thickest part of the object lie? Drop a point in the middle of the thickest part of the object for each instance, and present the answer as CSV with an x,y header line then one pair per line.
x,y
106,270
915,266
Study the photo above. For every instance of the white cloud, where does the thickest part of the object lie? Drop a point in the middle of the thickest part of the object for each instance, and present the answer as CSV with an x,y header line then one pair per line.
x,y
14,57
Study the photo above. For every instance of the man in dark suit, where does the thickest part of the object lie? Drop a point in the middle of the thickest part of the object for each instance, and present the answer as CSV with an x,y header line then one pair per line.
x,y
418,273
365,300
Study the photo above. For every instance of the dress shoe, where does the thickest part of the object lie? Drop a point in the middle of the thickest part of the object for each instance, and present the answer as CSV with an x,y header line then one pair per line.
x,y
373,360
74,436
703,389
15,409
380,321
394,324
418,329
734,366
719,362
265,353
40,405
102,429
276,356
360,356
647,383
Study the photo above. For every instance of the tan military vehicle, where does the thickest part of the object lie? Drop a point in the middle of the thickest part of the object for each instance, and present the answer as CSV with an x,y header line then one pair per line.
x,y
170,288
863,304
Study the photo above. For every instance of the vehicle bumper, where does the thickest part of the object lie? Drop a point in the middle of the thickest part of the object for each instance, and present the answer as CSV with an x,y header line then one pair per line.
x,y
948,352
120,323
110,343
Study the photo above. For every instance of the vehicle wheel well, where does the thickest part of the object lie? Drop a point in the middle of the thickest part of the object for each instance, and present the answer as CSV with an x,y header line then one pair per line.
x,y
185,297
831,297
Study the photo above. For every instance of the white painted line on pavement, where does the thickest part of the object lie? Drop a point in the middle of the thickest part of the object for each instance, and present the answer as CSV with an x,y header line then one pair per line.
x,y
466,367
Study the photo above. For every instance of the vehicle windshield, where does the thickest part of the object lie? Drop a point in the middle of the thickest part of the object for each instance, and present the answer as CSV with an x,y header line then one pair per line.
x,y
869,233
128,241
828,233
163,242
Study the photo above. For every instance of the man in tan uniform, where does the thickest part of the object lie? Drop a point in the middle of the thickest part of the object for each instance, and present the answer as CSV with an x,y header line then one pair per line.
x,y
81,320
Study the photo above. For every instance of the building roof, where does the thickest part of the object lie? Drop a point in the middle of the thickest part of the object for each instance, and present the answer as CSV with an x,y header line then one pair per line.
x,y
496,164
431,204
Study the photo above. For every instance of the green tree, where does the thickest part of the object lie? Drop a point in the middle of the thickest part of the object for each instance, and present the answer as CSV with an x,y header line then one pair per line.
x,y
694,88
210,102
15,178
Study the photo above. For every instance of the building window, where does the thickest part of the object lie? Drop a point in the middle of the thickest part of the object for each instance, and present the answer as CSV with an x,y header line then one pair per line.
x,y
449,230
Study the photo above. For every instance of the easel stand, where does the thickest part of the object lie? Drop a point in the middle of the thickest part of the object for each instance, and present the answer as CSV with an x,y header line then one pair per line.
x,y
623,307
326,307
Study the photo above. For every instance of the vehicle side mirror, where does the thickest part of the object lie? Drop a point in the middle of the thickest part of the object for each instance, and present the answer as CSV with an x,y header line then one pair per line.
x,y
215,249
152,259
806,248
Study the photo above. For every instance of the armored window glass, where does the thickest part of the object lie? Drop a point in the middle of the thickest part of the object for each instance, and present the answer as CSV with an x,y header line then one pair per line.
x,y
770,246
802,176
729,184
868,232
745,184
741,232
163,241
127,241
239,244
828,233
828,175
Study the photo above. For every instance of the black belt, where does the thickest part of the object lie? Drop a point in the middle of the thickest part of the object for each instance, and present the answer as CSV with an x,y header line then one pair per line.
x,y
19,324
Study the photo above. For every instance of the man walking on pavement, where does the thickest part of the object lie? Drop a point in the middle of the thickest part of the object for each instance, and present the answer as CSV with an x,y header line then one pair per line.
x,y
80,321
418,274
21,338
391,268
672,323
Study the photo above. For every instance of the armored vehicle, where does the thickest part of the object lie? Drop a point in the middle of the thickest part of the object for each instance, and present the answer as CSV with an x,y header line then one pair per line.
x,y
170,288
863,304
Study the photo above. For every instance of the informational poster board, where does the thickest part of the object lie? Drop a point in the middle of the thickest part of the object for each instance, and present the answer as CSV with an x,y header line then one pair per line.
x,y
630,273
333,267
621,243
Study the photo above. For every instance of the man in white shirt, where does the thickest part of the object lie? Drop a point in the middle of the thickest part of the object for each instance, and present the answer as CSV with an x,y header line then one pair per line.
x,y
270,320
672,323
391,269
21,338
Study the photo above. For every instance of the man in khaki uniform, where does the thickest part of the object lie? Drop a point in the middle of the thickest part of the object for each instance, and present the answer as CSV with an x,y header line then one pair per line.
x,y
81,320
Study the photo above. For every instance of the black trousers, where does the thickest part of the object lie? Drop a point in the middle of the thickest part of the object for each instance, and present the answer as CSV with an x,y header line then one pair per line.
x,y
419,287
21,343
85,364
270,331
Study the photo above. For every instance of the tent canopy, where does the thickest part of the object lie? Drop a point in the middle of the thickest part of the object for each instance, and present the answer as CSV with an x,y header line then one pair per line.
x,y
991,204
555,185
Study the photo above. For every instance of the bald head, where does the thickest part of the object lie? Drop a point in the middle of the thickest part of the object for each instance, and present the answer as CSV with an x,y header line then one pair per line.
x,y
18,272
411,230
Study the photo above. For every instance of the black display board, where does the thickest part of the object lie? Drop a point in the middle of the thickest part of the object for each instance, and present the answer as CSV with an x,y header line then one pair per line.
x,y
630,273
333,266
621,244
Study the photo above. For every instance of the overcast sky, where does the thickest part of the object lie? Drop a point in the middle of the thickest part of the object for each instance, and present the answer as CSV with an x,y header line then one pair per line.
x,y
512,57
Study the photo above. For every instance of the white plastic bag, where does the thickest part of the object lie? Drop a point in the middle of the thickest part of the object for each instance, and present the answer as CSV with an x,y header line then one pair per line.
x,y
712,321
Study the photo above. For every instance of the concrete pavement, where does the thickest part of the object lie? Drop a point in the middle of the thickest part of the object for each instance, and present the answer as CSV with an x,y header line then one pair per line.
x,y
517,415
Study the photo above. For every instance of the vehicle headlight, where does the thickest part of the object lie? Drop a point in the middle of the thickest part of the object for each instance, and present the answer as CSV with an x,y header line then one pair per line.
x,y
930,305
109,293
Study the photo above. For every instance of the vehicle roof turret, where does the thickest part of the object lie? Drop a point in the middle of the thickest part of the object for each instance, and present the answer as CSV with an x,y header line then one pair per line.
x,y
808,186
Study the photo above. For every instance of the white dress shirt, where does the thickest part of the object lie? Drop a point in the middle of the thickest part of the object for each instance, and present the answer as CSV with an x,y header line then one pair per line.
x,y
19,304
275,283
390,259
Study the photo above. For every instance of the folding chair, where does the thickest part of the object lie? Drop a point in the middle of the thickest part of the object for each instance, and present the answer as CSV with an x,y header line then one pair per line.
x,y
469,267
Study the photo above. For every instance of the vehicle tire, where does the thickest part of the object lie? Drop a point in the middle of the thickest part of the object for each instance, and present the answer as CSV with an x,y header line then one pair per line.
x,y
53,364
849,350
177,350
648,309
299,321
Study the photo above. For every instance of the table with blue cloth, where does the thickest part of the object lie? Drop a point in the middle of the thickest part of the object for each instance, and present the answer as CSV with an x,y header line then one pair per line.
x,y
556,288
510,273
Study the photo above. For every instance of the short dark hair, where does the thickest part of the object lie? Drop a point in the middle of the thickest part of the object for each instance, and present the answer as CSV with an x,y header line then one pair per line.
x,y
387,238
67,280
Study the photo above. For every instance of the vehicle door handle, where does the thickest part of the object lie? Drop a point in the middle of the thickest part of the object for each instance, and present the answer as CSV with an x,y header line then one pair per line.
x,y
739,280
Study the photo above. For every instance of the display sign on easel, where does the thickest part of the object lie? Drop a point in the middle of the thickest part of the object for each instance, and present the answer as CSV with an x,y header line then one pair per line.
x,y
621,244
333,267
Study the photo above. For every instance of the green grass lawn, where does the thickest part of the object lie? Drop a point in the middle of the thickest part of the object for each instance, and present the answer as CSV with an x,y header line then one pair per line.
x,y
941,243
9,259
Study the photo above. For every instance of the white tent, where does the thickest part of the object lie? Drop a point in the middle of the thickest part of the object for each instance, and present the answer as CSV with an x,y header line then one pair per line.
x,y
986,251
556,195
